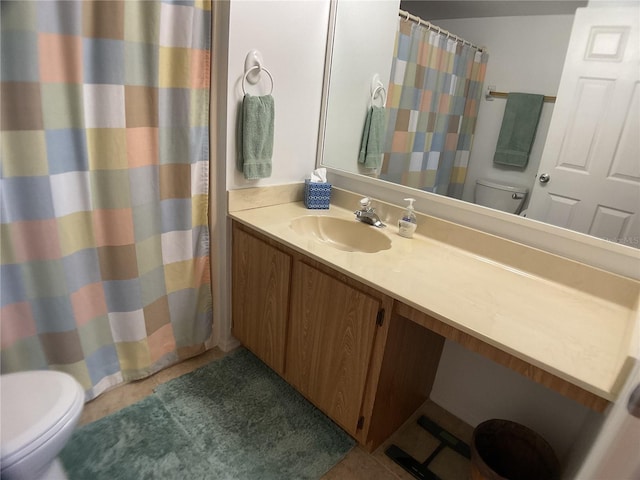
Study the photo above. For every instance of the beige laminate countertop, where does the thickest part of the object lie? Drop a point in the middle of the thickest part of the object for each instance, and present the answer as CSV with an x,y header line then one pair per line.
x,y
558,326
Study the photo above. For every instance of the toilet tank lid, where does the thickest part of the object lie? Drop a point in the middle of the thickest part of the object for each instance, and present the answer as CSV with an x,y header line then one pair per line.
x,y
31,404
502,186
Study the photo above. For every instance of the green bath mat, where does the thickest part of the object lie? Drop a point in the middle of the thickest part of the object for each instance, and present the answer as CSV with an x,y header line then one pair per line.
x,y
232,419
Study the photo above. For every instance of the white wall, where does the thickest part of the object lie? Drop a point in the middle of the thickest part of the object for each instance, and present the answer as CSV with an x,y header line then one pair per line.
x,y
291,35
532,64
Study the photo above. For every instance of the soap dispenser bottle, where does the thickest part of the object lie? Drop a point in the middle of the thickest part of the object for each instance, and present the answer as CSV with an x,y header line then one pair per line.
x,y
408,222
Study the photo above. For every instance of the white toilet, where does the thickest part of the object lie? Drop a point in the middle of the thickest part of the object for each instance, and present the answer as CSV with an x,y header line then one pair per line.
x,y
38,414
497,195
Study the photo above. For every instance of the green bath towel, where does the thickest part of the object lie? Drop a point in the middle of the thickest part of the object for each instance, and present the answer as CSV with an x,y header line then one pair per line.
x,y
255,136
372,141
519,124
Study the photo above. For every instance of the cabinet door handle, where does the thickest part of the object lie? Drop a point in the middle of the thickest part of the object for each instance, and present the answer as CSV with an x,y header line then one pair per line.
x,y
380,317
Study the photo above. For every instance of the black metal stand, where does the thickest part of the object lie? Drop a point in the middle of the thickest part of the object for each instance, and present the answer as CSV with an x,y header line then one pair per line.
x,y
421,470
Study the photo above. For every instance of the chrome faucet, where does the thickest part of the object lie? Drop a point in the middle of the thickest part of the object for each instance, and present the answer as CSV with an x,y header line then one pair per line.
x,y
367,214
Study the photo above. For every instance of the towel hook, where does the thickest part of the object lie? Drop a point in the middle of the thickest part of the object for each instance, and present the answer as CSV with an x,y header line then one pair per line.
x,y
253,58
261,69
379,89
376,87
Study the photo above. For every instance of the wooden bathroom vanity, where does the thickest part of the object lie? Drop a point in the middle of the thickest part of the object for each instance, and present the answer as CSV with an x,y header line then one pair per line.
x,y
360,335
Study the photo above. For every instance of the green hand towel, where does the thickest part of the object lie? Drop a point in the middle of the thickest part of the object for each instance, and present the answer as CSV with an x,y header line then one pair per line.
x,y
372,141
255,136
519,124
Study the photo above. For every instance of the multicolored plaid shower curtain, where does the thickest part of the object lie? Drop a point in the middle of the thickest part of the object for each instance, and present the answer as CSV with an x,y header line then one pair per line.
x,y
104,251
433,100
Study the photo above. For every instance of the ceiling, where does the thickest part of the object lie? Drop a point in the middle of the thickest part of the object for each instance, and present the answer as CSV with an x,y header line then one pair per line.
x,y
434,10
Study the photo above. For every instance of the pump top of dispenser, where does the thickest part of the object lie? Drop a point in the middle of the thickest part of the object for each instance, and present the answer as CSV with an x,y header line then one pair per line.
x,y
410,206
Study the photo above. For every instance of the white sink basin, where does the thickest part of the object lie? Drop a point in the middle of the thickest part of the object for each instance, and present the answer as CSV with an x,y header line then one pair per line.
x,y
342,234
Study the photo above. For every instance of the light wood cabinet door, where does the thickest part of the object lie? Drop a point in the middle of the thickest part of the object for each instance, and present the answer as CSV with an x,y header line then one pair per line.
x,y
331,333
260,297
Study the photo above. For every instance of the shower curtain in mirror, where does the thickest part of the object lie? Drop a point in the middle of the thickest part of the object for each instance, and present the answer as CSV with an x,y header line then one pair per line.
x,y
433,100
104,269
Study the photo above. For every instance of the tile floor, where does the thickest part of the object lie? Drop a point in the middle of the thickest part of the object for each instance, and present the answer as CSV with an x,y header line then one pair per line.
x,y
357,465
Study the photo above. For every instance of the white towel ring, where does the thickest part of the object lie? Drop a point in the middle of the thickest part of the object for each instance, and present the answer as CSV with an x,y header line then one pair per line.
x,y
262,69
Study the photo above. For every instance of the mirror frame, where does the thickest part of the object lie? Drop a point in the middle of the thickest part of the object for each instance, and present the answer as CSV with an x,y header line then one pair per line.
x,y
609,256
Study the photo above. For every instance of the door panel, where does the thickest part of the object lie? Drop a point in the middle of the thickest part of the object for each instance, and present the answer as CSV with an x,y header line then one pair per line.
x,y
260,300
331,335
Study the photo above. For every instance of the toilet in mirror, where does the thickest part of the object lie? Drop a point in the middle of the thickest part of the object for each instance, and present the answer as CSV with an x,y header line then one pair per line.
x,y
500,196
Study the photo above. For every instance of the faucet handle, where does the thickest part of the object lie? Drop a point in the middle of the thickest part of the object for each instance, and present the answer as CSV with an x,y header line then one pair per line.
x,y
365,202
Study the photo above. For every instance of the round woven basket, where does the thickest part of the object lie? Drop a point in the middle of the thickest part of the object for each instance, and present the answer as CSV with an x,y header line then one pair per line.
x,y
505,450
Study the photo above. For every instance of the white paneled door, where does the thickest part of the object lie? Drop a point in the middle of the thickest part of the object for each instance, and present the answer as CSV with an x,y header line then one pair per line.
x,y
589,177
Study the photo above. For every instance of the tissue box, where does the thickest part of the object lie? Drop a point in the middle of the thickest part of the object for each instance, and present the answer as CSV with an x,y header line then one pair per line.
x,y
317,195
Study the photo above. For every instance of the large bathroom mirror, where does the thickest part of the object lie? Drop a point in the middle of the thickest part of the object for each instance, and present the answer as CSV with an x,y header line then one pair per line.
x,y
526,43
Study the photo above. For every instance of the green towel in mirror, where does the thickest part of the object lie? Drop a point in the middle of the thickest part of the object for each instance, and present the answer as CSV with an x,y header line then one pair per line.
x,y
372,141
519,124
